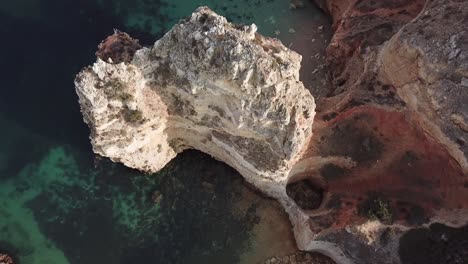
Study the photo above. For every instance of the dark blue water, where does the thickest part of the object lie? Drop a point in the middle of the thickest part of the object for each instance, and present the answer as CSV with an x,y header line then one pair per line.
x,y
59,203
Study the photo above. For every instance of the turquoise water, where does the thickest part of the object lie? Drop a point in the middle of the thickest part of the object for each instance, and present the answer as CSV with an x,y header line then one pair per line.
x,y
61,204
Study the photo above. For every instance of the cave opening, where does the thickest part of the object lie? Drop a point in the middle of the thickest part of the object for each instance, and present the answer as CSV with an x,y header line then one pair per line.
x,y
306,194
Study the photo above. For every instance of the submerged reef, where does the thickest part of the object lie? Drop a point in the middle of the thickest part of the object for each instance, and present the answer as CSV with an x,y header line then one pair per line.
x,y
388,152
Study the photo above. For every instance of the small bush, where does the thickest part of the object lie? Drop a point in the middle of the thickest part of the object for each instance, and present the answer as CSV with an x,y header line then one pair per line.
x,y
114,90
133,116
376,208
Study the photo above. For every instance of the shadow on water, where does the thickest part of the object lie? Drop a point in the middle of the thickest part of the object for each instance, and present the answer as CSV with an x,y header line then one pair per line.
x,y
126,218
40,58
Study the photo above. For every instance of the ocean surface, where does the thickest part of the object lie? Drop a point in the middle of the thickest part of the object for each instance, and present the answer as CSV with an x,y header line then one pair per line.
x,y
59,203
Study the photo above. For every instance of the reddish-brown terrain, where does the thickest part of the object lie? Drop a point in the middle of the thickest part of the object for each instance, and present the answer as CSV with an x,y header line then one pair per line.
x,y
119,47
391,136
386,170
5,259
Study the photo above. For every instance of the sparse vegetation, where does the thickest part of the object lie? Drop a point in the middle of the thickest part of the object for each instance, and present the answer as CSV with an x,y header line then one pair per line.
x,y
114,90
115,83
124,97
377,208
381,212
133,116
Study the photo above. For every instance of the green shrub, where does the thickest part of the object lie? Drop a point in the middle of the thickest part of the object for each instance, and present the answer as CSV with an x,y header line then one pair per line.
x,y
133,116
377,208
114,90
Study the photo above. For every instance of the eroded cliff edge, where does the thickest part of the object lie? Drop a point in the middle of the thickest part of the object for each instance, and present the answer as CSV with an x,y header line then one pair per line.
x,y
208,85
398,111
383,158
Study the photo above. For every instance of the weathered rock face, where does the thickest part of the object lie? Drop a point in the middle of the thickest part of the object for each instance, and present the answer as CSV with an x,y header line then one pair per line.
x,y
427,63
360,25
209,85
388,153
389,145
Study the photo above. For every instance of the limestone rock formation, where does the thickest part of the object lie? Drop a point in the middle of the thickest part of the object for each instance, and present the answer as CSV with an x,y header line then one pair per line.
x,y
208,85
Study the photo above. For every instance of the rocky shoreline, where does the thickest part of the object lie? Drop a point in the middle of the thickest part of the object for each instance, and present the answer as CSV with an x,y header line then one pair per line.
x,y
388,150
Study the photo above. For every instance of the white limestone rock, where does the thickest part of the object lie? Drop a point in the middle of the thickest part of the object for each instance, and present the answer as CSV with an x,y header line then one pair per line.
x,y
209,85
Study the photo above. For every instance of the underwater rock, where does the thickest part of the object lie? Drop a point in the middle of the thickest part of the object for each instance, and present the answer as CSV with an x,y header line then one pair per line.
x,y
208,85
156,197
296,4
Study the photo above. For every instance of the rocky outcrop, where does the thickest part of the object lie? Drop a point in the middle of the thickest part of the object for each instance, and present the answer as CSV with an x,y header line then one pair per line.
x,y
361,25
427,63
5,259
119,47
208,85
389,140
388,153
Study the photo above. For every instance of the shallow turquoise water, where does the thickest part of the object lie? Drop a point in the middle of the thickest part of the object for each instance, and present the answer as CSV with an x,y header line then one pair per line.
x,y
61,204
